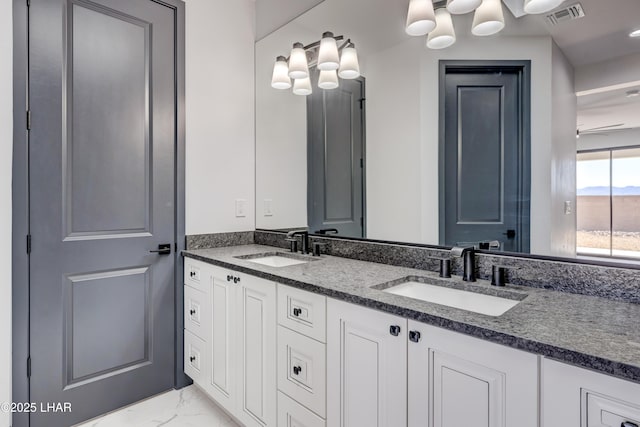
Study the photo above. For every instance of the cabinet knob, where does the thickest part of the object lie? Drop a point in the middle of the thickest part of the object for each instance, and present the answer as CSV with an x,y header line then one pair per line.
x,y
192,312
628,424
414,336
229,277
297,312
298,369
192,273
192,358
394,330
236,280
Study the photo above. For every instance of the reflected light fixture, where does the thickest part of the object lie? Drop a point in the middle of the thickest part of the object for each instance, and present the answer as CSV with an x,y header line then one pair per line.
x,y
444,34
635,34
332,61
488,18
460,7
280,78
421,18
541,6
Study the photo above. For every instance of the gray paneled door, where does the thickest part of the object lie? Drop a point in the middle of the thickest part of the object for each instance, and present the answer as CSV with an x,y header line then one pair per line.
x,y
485,152
335,151
102,150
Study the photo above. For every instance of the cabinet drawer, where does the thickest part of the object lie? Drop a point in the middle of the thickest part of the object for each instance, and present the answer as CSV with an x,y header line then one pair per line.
x,y
292,414
196,274
303,312
195,357
197,316
302,369
606,411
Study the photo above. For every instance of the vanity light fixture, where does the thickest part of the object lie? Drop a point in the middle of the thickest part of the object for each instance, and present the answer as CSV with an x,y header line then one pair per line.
x,y
488,18
635,33
326,56
421,18
460,7
444,35
541,6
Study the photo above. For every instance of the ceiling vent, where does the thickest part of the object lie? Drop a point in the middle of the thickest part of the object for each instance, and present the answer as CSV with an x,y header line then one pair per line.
x,y
569,13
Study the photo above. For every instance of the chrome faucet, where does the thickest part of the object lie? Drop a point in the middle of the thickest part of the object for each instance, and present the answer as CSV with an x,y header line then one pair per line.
x,y
468,255
304,239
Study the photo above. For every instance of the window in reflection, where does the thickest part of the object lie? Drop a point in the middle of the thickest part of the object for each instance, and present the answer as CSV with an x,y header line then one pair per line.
x,y
608,203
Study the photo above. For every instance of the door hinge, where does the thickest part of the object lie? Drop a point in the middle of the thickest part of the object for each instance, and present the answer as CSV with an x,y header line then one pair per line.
x,y
29,367
361,163
361,221
28,243
28,119
361,101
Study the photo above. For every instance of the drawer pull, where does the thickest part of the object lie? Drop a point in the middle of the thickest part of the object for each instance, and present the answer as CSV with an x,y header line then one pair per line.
x,y
298,369
628,424
414,336
394,330
192,358
192,312
297,312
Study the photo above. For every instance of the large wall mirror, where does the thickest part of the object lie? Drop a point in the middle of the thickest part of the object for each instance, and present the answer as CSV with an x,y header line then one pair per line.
x,y
415,150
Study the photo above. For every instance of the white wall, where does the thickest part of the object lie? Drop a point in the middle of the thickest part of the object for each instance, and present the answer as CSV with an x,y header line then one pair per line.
x,y
608,73
6,136
220,157
562,223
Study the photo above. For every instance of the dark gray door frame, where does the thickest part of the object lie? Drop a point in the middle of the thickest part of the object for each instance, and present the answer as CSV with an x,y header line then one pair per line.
x,y
523,68
20,200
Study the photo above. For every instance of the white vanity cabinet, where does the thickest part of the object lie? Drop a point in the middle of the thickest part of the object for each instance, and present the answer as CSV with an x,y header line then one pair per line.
x,y
456,380
386,371
366,367
573,396
230,340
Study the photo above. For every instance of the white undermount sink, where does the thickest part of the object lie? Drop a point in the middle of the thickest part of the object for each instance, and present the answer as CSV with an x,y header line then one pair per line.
x,y
456,298
277,261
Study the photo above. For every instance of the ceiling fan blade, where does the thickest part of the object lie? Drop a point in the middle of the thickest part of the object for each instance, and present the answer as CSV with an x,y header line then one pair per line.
x,y
602,127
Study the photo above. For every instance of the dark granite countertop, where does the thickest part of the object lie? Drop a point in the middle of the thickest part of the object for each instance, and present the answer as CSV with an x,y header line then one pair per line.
x,y
590,332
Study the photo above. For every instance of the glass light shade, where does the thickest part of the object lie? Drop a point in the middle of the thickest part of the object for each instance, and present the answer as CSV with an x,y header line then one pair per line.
x,y
541,6
421,18
328,58
349,66
280,78
444,35
459,7
488,18
302,86
298,65
635,33
328,79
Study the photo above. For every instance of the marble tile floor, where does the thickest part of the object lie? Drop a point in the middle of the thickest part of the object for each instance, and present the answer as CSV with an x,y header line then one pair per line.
x,y
188,407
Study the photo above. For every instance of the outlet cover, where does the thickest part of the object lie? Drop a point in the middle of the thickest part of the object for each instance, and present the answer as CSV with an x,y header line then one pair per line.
x,y
568,208
241,208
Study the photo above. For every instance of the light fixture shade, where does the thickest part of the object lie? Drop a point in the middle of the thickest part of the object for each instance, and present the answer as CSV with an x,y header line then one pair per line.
x,y
328,58
459,7
421,18
302,86
328,79
541,6
444,35
488,18
349,66
280,78
298,65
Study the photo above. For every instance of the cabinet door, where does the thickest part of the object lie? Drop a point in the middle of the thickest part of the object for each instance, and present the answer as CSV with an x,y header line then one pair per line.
x,y
257,386
573,396
456,380
366,367
222,348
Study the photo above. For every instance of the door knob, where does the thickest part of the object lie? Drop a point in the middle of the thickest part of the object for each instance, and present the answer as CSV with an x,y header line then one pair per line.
x,y
163,249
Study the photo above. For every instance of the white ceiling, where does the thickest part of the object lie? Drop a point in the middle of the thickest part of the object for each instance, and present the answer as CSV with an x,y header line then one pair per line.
x,y
602,35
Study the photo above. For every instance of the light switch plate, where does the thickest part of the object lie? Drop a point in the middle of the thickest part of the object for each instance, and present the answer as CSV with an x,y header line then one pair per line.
x,y
241,208
268,207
